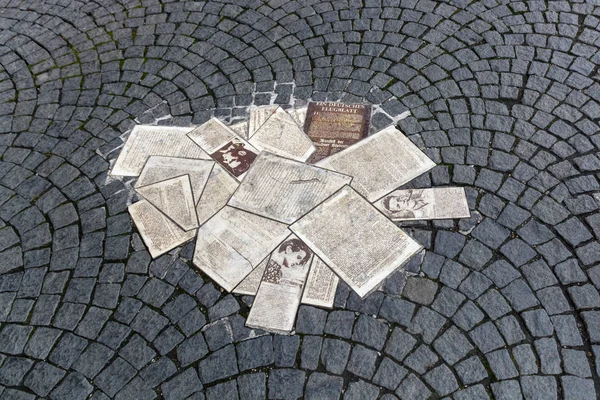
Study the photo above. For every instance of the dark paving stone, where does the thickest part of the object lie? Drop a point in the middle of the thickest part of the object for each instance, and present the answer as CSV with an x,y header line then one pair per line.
x,y
93,360
252,386
286,384
13,370
115,376
148,323
182,385
321,386
370,332
75,386
218,365
13,338
255,353
42,378
285,349
362,362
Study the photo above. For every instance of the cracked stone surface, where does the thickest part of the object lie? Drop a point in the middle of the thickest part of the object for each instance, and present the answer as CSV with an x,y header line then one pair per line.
x,y
504,96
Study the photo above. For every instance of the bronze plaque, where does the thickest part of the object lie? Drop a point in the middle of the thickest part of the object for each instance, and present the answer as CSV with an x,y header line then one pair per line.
x,y
234,157
335,126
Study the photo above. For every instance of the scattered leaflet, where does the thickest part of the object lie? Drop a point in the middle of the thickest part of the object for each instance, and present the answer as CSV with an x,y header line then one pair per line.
x,y
162,168
249,286
217,192
234,242
145,141
228,149
174,198
321,285
282,136
283,189
276,303
319,291
355,240
380,163
298,115
335,126
424,204
258,116
158,232
240,129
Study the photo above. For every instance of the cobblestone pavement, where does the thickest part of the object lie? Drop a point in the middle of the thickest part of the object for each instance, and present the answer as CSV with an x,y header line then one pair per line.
x,y
504,96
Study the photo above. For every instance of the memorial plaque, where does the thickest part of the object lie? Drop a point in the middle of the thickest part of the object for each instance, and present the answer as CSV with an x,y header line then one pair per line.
x,y
159,233
380,163
282,136
425,204
234,242
321,285
174,198
228,149
258,116
217,192
283,189
335,126
249,286
162,168
278,297
355,240
145,141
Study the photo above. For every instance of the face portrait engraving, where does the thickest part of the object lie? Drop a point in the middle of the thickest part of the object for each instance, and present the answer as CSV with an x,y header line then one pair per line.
x,y
405,205
292,255
234,157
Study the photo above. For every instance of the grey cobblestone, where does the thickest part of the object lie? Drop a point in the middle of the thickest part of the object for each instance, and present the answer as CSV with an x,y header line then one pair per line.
x,y
502,97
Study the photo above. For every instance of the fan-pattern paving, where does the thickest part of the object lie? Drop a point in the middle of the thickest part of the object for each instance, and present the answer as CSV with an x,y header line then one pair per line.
x,y
503,95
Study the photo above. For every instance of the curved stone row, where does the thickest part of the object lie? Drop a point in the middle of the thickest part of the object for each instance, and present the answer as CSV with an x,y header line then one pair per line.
x,y
503,96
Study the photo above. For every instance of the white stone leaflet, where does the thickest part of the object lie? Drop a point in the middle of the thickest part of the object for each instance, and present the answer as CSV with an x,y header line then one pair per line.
x,y
162,168
174,198
283,189
321,285
217,192
234,242
355,240
145,141
380,163
282,136
425,204
278,297
159,233
228,149
258,116
249,286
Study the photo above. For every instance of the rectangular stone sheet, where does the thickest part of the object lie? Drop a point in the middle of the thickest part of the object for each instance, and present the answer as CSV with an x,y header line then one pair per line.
x,y
228,149
217,192
278,297
355,240
282,136
145,141
424,204
298,115
174,198
321,285
335,126
234,242
162,168
158,232
240,129
283,189
249,286
258,115
380,163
